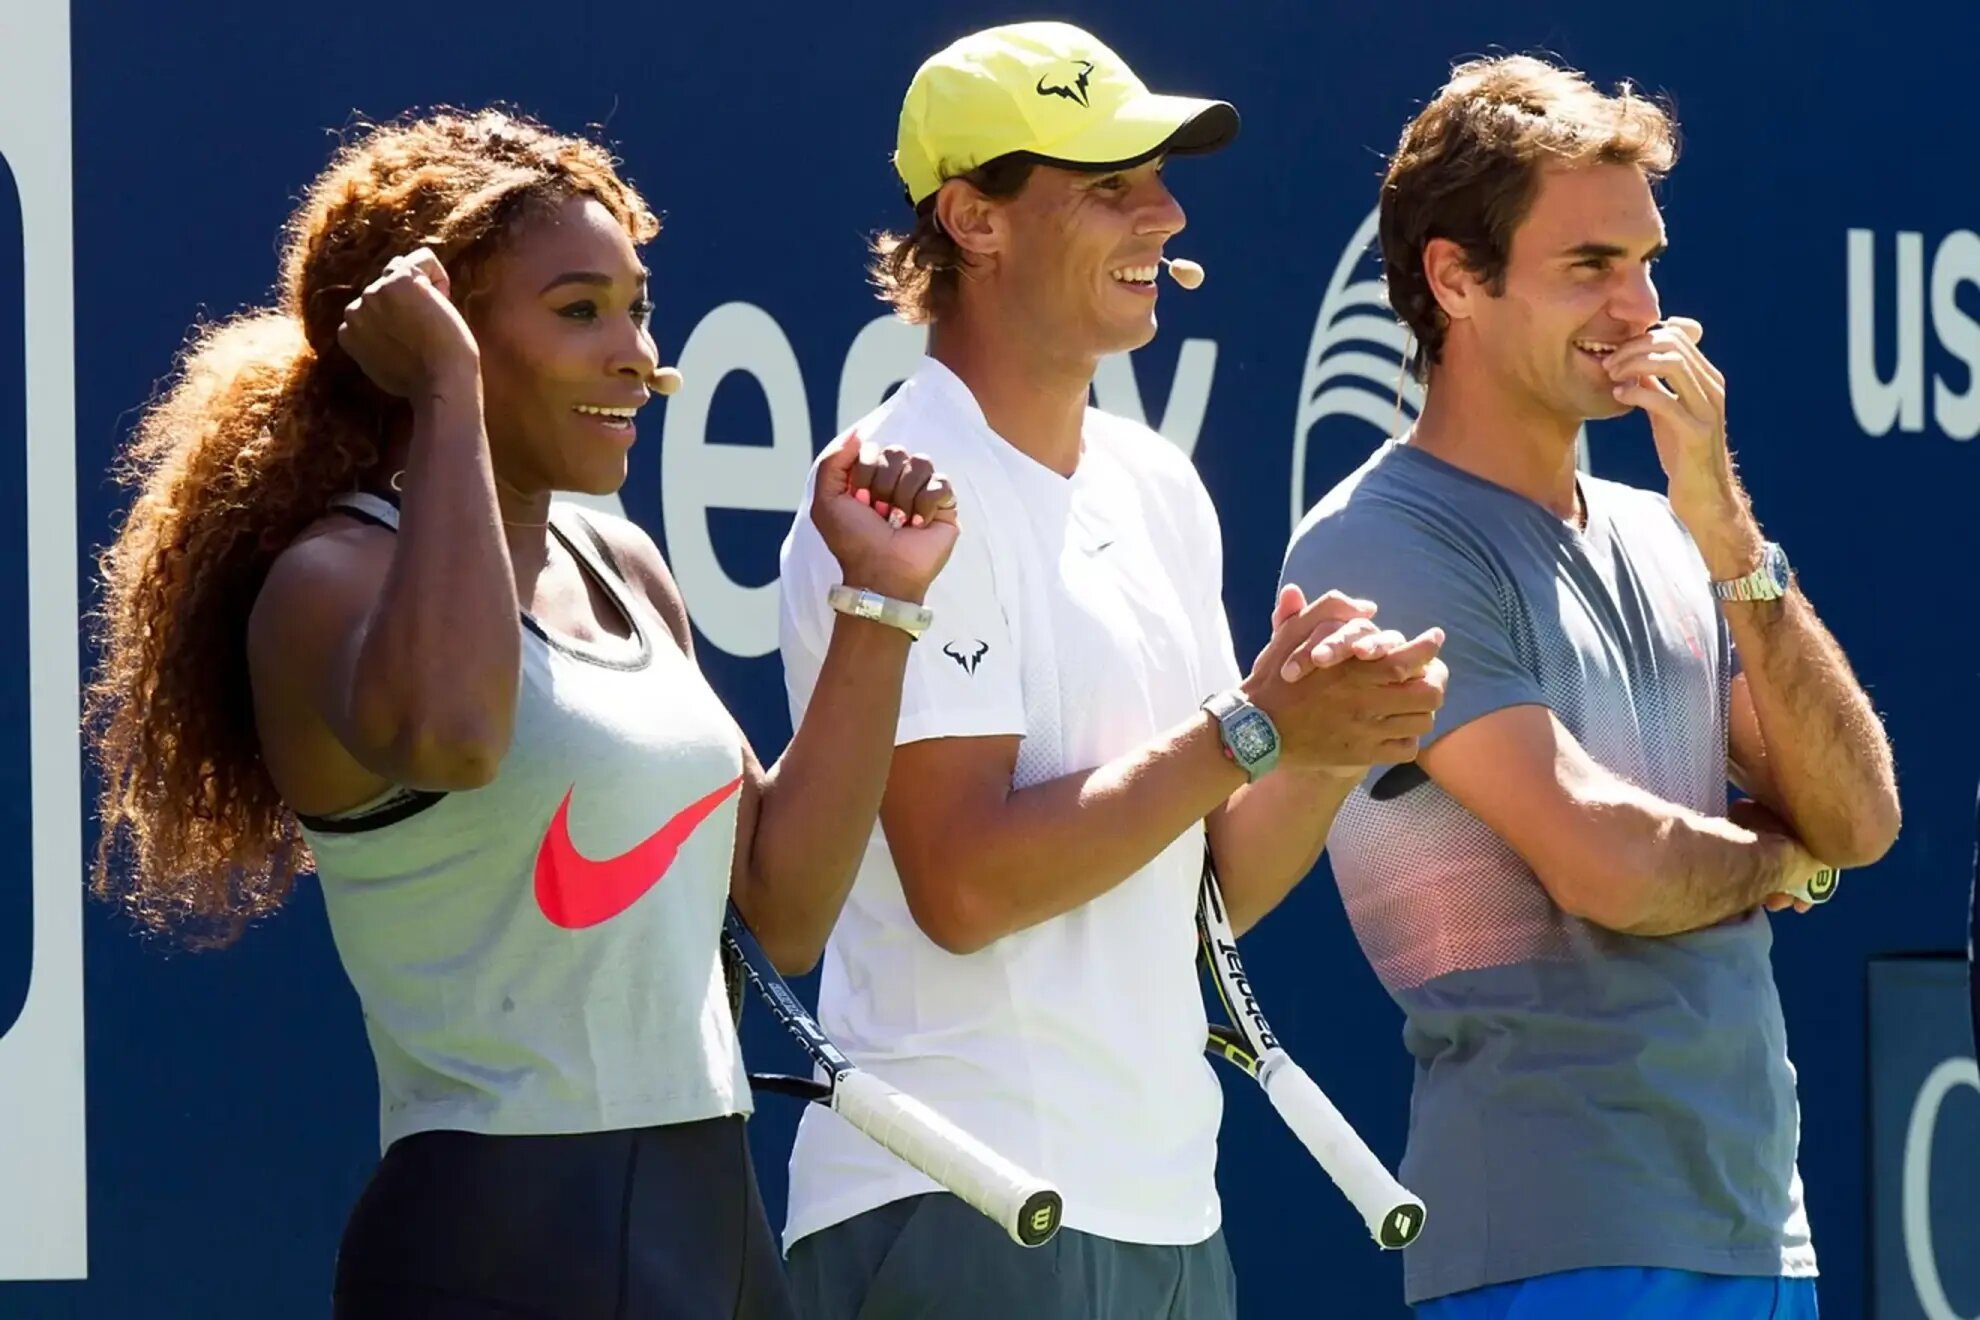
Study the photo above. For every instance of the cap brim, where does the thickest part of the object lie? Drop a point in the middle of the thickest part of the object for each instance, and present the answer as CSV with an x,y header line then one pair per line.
x,y
1144,129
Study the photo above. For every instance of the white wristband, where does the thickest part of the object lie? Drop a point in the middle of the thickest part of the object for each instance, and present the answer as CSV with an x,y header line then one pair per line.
x,y
860,603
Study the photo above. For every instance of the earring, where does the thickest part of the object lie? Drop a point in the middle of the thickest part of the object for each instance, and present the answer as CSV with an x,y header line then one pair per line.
x,y
397,478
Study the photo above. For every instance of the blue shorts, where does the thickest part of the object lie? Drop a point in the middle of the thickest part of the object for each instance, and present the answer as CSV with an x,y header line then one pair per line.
x,y
1630,1294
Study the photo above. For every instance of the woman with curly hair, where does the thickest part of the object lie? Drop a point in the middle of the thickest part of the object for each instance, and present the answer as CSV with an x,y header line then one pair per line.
x,y
344,629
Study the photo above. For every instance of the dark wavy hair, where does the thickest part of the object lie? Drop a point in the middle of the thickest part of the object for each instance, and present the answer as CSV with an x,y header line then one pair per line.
x,y
1469,165
916,272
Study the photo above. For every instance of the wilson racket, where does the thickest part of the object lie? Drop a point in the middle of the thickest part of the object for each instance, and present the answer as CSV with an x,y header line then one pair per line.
x,y
1028,1207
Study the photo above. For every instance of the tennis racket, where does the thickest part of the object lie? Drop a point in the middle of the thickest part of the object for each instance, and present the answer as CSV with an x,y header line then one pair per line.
x,y
1392,1212
1817,888
1398,780
1027,1207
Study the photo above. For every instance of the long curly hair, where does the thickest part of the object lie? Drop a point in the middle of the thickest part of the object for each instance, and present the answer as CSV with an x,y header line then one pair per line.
x,y
263,421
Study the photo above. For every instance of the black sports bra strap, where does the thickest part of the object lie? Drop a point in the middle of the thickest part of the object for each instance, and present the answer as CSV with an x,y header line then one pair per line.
x,y
581,534
366,507
606,559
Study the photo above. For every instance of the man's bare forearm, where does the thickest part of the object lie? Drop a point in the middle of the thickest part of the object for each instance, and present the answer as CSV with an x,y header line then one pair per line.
x,y
1056,846
1269,835
1673,870
1828,759
976,868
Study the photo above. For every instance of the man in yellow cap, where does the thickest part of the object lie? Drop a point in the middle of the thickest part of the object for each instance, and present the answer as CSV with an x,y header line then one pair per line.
x,y
1018,949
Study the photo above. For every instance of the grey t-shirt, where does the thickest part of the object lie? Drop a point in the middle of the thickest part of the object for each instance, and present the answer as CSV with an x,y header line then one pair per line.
x,y
1582,1098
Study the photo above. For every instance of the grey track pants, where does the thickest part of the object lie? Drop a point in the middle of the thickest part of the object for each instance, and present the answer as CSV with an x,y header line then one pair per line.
x,y
932,1256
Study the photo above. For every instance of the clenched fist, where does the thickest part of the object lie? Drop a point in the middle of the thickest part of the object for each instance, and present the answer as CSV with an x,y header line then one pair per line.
x,y
887,516
404,331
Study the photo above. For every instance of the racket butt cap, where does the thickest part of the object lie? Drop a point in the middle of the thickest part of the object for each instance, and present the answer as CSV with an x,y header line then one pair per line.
x,y
1038,1218
1401,1226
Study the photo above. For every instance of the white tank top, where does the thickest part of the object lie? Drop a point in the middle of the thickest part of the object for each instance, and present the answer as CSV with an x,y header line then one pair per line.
x,y
539,955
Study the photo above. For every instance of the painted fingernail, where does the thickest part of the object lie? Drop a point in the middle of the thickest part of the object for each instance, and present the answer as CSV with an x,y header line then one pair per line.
x,y
897,518
881,507
916,521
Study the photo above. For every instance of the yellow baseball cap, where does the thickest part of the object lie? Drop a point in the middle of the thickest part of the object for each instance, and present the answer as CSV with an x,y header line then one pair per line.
x,y
1049,91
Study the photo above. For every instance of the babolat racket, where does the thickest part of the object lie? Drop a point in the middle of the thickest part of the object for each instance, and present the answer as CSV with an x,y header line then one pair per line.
x,y
1393,1214
1028,1207
1398,780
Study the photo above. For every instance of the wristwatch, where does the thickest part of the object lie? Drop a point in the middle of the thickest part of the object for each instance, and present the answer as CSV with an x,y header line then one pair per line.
x,y
1768,582
910,618
1250,738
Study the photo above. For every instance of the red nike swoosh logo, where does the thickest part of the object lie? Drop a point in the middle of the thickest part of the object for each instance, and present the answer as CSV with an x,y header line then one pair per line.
x,y
575,891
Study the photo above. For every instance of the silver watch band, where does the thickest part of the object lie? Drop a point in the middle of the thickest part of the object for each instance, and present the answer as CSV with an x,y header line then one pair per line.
x,y
1770,581
1746,588
860,603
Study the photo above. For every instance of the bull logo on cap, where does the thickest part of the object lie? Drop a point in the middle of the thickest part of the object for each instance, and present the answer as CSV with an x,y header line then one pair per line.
x,y
1073,91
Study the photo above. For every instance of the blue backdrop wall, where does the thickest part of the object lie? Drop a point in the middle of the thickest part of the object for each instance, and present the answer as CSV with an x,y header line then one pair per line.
x,y
1822,221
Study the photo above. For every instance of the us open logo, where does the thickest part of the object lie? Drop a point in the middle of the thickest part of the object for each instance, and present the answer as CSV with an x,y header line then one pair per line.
x,y
1355,392
43,1232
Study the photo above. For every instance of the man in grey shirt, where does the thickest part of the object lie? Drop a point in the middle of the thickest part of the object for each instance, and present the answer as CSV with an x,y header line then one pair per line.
x,y
1604,1119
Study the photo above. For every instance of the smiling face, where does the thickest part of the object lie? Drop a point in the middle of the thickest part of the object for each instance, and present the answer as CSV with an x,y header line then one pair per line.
x,y
1577,284
566,356
1078,255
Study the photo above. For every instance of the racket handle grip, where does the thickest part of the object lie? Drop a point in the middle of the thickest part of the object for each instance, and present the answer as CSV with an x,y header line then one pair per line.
x,y
1392,1212
1817,888
1027,1207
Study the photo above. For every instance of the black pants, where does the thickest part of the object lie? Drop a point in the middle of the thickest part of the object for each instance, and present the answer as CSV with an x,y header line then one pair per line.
x,y
659,1223
1973,940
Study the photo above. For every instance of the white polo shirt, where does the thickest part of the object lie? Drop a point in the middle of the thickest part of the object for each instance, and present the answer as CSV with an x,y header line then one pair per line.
x,y
1084,614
